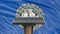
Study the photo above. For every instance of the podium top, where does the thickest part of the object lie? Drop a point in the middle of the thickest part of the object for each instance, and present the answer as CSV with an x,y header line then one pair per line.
x,y
28,21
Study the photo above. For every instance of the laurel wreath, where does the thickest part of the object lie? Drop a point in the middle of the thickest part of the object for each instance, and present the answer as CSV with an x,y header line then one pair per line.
x,y
37,10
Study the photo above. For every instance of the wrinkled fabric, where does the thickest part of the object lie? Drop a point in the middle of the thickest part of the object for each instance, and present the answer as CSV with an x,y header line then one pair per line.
x,y
50,8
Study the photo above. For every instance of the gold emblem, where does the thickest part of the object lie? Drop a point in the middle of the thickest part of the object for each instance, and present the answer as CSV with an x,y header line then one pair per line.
x,y
24,8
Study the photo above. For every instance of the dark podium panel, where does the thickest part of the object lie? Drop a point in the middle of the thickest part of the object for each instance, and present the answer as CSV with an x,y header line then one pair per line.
x,y
28,20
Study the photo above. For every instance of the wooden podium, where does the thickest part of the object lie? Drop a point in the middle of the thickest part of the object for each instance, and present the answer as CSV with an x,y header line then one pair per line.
x,y
28,23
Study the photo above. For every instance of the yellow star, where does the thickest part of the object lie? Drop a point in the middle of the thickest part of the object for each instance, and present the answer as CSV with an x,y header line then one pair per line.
x,y
32,5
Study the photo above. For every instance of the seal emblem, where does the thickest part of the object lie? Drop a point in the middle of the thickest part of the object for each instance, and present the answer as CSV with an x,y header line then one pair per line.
x,y
30,10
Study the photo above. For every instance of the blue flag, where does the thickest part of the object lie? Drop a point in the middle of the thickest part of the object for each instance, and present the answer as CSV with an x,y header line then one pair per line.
x,y
50,8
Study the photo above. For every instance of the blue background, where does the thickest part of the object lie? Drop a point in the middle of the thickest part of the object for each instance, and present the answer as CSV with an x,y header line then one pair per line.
x,y
50,8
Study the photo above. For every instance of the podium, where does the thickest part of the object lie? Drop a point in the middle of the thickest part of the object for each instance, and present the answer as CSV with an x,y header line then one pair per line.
x,y
28,16
28,23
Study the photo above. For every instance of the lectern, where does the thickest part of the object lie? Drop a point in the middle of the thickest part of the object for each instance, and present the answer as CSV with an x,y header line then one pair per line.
x,y
28,18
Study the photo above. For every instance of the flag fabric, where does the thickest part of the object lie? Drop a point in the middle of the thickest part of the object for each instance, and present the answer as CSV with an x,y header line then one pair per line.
x,y
50,8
